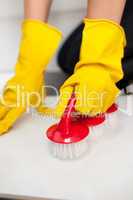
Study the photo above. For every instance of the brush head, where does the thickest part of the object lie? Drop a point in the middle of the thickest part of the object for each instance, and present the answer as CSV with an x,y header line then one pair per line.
x,y
75,133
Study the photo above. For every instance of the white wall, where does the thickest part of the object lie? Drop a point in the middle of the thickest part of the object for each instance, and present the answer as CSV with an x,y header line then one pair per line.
x,y
15,7
65,14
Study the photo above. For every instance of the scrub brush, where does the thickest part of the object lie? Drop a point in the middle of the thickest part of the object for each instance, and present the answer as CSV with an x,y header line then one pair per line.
x,y
69,138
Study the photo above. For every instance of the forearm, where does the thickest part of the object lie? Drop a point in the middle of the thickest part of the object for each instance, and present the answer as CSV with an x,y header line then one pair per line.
x,y
106,9
37,9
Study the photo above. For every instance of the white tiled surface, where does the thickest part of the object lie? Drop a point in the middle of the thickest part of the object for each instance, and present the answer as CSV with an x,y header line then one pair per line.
x,y
27,168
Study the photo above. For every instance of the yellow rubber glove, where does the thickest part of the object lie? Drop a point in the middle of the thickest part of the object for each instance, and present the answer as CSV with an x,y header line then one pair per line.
x,y
98,70
38,44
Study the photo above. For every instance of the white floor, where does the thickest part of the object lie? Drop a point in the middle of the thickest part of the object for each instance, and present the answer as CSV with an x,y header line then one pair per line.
x,y
27,167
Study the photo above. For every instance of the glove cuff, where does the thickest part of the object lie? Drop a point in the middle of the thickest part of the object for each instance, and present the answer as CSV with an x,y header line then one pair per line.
x,y
110,23
29,23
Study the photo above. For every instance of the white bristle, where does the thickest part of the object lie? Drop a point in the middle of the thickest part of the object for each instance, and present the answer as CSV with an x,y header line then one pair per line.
x,y
69,151
112,119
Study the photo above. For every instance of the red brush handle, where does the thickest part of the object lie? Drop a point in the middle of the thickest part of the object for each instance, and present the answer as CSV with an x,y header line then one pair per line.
x,y
66,119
